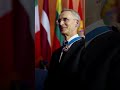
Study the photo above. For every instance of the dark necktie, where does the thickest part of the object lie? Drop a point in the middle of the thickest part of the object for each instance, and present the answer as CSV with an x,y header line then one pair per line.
x,y
63,51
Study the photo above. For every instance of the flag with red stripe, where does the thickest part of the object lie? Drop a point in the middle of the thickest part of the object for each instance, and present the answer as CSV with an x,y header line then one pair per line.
x,y
80,11
70,4
45,37
37,35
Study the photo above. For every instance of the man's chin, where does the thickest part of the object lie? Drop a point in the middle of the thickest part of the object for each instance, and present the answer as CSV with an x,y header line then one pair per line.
x,y
62,32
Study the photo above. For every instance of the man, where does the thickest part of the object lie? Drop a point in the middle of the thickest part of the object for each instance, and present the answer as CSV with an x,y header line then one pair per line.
x,y
101,59
63,72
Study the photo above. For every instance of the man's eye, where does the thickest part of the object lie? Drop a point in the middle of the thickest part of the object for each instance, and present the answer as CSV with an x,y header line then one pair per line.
x,y
59,20
65,19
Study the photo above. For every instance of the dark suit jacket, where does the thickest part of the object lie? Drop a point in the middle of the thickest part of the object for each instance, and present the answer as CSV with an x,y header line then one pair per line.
x,y
65,75
101,63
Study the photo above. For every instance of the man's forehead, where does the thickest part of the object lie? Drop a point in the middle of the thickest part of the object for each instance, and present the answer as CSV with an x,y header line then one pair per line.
x,y
66,14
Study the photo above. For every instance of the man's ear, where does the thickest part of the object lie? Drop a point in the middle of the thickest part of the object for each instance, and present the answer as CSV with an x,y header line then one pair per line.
x,y
77,23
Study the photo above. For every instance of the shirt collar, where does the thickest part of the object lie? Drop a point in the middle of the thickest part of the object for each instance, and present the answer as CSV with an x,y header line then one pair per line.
x,y
73,37
71,40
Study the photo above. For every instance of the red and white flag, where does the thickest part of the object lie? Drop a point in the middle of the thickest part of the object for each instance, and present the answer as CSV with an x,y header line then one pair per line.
x,y
37,35
45,37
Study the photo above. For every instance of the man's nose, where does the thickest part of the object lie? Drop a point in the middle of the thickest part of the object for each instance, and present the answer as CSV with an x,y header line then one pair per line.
x,y
61,22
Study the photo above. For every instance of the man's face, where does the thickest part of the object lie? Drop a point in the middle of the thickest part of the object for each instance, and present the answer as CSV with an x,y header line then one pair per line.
x,y
67,23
